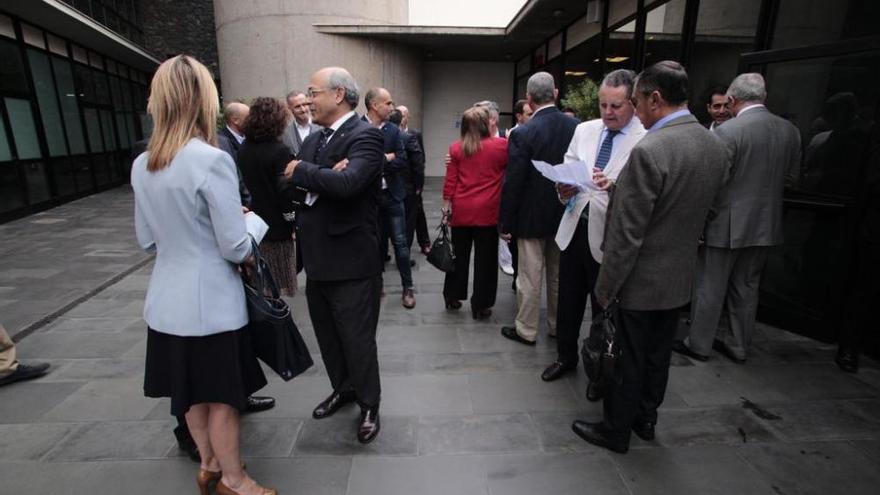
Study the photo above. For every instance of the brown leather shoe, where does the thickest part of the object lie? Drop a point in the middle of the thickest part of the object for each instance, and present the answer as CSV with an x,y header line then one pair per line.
x,y
409,298
369,427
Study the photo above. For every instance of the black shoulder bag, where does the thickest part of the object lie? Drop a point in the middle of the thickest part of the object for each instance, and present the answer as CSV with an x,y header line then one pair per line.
x,y
442,255
274,336
601,350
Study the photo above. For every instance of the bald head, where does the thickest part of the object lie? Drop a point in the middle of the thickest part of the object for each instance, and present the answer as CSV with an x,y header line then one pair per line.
x,y
379,105
404,124
334,93
234,114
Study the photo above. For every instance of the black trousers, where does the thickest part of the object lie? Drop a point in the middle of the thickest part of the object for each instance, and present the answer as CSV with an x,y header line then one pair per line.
x,y
645,350
485,243
577,277
416,224
345,315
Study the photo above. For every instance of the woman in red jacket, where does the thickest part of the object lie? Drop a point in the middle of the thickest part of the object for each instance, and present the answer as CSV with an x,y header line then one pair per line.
x,y
471,198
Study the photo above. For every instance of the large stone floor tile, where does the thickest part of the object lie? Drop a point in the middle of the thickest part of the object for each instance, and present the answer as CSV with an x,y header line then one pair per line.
x,y
262,437
818,468
104,400
478,434
718,425
824,420
421,339
116,441
97,369
706,470
718,385
296,398
26,402
29,442
871,449
326,475
66,478
555,432
428,395
502,393
554,474
337,435
461,363
426,475
76,345
98,325
142,477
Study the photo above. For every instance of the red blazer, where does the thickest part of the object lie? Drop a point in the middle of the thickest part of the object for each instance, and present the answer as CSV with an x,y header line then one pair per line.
x,y
473,183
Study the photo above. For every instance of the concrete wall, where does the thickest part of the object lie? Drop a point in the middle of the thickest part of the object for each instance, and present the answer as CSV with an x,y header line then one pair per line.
x,y
268,47
172,27
449,89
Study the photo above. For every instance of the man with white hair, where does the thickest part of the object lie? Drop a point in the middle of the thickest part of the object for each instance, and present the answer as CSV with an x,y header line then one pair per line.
x,y
746,220
530,210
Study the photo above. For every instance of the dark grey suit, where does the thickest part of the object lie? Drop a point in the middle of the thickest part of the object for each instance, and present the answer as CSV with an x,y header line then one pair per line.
x,y
762,149
291,138
655,216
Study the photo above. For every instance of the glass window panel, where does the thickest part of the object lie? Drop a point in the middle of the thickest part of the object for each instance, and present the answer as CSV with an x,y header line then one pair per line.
x,y
663,32
146,123
5,150
126,94
581,64
811,22
11,190
111,66
93,129
69,107
115,94
620,10
12,74
539,58
63,175
523,66
80,55
619,52
85,83
123,130
32,36
24,130
37,183
132,130
83,6
725,30
57,45
6,27
102,90
581,31
95,60
109,133
140,97
48,102
554,47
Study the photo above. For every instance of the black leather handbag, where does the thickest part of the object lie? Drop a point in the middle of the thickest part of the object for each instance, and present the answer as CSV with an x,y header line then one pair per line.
x,y
601,350
275,338
442,255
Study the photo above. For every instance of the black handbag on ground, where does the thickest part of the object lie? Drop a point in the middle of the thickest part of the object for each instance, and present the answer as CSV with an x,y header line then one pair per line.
x,y
274,336
441,255
601,350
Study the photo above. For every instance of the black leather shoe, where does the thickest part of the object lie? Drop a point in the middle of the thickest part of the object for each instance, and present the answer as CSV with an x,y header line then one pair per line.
x,y
257,404
594,392
510,333
369,426
644,430
555,371
681,348
186,444
594,433
847,361
332,404
725,351
25,372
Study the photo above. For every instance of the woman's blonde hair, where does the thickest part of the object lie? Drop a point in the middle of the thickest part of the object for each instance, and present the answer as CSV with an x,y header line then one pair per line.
x,y
474,127
184,104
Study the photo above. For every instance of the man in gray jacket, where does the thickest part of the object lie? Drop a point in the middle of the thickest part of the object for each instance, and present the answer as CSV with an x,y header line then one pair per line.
x,y
655,217
762,149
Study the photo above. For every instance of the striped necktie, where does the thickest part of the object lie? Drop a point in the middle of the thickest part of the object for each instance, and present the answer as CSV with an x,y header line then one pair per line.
x,y
605,150
322,143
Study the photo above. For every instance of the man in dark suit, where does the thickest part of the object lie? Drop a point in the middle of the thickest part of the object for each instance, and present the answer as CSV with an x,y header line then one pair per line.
x,y
229,139
392,213
762,149
655,217
338,232
530,210
301,125
413,177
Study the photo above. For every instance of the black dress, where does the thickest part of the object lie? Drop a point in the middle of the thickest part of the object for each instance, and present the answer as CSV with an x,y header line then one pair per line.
x,y
192,370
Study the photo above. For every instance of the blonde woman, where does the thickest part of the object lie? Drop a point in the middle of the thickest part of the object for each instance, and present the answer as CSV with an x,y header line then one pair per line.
x,y
187,211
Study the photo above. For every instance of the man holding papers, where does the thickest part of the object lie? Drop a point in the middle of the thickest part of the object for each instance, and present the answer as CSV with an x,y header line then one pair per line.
x,y
601,148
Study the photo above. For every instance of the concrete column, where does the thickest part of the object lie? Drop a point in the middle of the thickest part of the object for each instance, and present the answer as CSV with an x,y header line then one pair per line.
x,y
269,47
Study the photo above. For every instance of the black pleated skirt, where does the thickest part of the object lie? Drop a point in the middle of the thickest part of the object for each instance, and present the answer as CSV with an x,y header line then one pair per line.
x,y
193,370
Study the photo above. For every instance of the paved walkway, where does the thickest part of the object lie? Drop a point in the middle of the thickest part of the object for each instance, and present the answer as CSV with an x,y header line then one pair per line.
x,y
464,411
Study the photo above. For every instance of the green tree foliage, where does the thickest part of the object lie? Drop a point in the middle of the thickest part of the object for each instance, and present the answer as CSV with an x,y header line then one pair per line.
x,y
584,99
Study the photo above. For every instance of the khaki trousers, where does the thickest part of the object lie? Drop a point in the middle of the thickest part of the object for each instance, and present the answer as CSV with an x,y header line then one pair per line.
x,y
536,256
8,364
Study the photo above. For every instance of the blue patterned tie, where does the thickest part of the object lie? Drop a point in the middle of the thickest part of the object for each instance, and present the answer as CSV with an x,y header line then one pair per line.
x,y
322,143
605,150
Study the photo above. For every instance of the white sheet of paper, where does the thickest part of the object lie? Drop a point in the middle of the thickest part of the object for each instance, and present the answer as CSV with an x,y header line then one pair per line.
x,y
255,226
571,173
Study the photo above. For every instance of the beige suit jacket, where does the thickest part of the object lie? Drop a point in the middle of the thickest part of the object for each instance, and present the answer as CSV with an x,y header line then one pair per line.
x,y
584,147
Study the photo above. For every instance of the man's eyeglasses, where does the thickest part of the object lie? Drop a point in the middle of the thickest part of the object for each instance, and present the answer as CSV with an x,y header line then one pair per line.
x,y
311,92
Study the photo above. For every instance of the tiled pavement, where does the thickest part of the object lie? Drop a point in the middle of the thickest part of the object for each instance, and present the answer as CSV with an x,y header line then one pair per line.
x,y
464,411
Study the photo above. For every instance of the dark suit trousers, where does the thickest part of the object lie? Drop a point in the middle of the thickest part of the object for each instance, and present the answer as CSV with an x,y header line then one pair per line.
x,y
345,314
416,225
645,350
485,243
577,276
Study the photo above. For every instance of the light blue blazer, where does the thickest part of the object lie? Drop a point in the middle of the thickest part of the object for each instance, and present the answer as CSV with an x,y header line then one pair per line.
x,y
189,214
